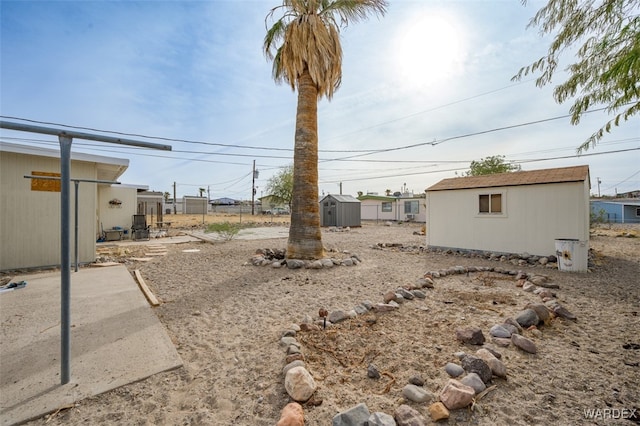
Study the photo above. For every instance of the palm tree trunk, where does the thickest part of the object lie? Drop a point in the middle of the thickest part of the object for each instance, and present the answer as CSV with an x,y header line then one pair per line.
x,y
305,238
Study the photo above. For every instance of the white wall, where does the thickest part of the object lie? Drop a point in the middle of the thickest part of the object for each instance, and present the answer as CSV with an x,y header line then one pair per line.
x,y
30,220
534,217
110,216
372,209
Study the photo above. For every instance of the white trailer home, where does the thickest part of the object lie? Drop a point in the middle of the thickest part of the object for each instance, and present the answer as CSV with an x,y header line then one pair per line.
x,y
510,212
30,208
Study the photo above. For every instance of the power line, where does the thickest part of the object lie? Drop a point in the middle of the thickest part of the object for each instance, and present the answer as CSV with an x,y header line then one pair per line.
x,y
622,181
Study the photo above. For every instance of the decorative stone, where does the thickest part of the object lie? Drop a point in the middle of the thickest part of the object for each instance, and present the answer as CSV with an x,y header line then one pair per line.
x,y
292,415
372,372
472,336
338,316
292,364
501,341
289,340
500,331
380,419
295,263
527,318
497,367
354,416
407,416
416,380
473,380
456,395
294,357
405,293
453,370
472,364
299,384
419,294
385,307
541,310
524,343
416,394
438,411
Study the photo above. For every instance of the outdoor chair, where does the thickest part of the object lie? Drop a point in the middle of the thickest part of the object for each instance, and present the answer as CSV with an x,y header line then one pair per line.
x,y
139,227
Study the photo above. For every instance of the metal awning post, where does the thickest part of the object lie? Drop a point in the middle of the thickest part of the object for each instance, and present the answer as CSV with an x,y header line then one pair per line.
x,y
65,266
75,234
65,137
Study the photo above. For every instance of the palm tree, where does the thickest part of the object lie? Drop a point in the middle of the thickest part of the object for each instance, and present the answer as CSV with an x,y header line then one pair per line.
x,y
304,44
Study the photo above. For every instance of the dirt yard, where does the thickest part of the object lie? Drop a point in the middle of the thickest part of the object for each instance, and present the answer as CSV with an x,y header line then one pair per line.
x,y
227,317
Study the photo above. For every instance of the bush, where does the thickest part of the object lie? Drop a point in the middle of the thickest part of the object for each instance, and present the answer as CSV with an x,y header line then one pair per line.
x,y
225,229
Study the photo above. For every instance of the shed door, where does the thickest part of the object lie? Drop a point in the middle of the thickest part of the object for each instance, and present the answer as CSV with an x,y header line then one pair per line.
x,y
329,213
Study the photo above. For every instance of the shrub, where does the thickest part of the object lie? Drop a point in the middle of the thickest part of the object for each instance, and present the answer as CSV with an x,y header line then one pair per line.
x,y
225,229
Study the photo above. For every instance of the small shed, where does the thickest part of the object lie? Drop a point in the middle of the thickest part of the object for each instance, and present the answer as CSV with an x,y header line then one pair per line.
x,y
339,210
510,212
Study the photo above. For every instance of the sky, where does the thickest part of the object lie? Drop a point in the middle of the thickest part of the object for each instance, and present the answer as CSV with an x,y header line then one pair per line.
x,y
425,90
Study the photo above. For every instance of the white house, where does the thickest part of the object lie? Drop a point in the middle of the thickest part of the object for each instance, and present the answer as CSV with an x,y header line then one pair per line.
x,y
30,208
406,207
510,212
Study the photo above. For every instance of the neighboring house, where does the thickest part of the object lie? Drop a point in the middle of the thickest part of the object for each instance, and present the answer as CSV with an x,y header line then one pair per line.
x,y
510,212
406,207
616,210
339,210
30,208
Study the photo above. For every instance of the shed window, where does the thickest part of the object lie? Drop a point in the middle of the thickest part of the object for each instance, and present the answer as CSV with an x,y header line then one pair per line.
x,y
490,203
638,212
412,207
387,206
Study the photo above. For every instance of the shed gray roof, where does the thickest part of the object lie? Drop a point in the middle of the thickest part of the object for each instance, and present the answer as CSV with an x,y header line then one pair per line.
x,y
342,198
532,177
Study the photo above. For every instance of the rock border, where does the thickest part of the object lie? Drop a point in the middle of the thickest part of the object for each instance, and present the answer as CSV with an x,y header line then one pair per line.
x,y
456,394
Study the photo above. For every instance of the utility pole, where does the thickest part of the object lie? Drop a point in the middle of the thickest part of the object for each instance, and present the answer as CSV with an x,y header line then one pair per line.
x,y
340,188
175,201
253,187
599,182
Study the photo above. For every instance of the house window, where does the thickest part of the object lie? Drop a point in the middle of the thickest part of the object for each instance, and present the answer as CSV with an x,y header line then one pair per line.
x,y
387,206
412,207
490,203
637,211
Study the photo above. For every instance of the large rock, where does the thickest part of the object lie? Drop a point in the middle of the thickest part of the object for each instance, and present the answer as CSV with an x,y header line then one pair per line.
x,y
500,332
381,419
473,380
438,411
497,367
299,384
453,370
527,318
354,416
471,336
416,394
456,395
473,364
292,415
407,416
541,310
524,343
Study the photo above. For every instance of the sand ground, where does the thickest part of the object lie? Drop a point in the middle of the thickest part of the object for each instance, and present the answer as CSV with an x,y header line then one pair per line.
x,y
226,319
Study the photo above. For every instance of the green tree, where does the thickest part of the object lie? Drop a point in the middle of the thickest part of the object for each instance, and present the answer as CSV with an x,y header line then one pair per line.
x,y
280,185
304,44
607,67
491,165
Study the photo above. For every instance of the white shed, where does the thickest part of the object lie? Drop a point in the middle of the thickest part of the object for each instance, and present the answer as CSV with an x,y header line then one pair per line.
x,y
30,208
510,212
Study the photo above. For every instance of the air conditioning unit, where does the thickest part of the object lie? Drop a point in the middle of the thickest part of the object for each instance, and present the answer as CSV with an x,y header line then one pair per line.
x,y
411,217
